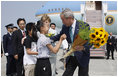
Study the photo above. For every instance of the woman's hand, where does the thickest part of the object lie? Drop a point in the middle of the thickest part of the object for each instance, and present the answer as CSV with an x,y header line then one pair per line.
x,y
16,57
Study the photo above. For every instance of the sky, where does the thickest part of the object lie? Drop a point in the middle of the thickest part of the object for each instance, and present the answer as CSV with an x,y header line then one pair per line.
x,y
12,10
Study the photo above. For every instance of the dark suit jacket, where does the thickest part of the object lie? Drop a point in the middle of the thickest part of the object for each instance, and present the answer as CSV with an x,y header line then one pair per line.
x,y
7,41
16,42
82,57
112,40
1,48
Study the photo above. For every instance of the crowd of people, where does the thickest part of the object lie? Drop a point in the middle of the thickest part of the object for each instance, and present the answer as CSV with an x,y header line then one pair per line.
x,y
30,53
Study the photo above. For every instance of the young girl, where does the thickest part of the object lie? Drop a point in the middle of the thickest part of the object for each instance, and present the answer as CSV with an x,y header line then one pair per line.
x,y
46,20
43,67
30,50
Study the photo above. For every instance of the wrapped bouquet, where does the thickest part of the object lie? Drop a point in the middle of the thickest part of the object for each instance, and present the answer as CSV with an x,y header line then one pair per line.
x,y
95,36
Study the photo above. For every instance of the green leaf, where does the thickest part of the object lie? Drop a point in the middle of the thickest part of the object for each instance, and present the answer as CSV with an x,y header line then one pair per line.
x,y
84,30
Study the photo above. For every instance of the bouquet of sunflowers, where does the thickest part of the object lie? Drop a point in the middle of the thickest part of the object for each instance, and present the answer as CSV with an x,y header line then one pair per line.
x,y
96,36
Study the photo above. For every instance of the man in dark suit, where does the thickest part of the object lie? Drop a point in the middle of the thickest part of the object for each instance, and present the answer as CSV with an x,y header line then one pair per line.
x,y
115,44
78,58
110,46
1,49
7,41
18,48
15,28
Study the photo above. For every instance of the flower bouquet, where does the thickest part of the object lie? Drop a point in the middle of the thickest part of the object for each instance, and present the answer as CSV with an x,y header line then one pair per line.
x,y
50,35
96,36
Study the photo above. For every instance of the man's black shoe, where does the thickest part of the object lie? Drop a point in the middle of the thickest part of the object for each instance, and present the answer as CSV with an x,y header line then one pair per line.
x,y
107,58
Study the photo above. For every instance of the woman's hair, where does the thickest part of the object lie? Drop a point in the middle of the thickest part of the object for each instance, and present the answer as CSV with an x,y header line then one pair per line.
x,y
45,17
29,27
39,25
34,33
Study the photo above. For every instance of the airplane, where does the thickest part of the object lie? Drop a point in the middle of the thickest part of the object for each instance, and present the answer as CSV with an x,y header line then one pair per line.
x,y
95,13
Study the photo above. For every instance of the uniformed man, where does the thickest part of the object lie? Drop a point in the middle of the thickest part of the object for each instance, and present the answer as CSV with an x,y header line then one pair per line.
x,y
7,40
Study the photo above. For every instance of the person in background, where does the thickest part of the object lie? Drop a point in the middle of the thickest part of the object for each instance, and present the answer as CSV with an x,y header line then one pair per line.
x,y
53,29
110,46
1,49
46,19
18,47
115,44
53,56
43,66
7,41
30,51
15,28
65,49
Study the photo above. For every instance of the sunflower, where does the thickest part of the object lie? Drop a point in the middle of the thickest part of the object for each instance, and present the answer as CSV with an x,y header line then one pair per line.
x,y
92,41
101,35
102,42
106,35
97,32
97,45
101,29
98,39
92,36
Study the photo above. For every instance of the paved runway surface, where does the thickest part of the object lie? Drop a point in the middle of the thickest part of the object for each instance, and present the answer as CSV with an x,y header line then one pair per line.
x,y
97,67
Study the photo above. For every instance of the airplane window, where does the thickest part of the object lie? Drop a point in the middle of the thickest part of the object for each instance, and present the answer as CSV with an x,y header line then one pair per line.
x,y
55,9
52,9
49,10
42,5
59,9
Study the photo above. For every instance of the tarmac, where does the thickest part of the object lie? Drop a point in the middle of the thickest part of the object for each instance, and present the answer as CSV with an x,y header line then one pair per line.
x,y
98,66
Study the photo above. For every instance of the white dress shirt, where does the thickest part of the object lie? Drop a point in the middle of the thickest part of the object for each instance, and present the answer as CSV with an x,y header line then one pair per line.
x,y
22,31
73,26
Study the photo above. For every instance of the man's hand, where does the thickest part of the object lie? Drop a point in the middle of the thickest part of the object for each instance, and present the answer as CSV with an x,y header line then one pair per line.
x,y
1,55
79,48
16,57
63,37
110,43
6,54
22,41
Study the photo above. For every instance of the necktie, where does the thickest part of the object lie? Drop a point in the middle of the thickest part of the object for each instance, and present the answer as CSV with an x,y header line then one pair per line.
x,y
23,33
71,34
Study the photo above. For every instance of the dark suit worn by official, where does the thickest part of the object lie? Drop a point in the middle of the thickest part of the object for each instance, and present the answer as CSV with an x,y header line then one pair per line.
x,y
10,66
18,50
80,59
110,47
